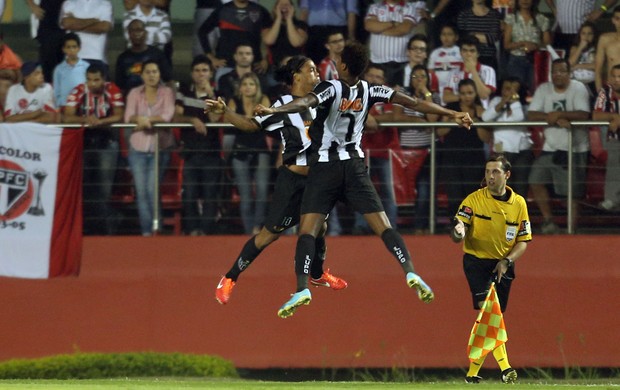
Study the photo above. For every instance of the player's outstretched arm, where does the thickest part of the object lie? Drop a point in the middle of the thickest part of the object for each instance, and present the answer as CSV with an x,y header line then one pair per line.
x,y
239,121
461,118
298,105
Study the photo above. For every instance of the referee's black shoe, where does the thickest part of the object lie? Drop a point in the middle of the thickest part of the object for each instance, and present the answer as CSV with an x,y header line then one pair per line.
x,y
473,379
509,375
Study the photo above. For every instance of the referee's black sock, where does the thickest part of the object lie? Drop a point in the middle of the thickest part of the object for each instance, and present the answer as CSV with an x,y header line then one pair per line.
x,y
304,254
395,244
320,248
245,258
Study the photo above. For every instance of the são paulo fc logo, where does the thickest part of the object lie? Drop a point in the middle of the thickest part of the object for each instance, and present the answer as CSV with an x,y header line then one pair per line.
x,y
16,190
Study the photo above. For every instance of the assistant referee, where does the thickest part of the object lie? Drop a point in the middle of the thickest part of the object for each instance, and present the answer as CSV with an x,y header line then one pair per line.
x,y
494,224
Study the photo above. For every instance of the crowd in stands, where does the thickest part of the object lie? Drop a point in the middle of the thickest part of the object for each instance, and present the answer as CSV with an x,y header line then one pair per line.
x,y
500,60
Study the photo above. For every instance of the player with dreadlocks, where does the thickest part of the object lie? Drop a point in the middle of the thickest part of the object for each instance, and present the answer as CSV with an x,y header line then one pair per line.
x,y
284,212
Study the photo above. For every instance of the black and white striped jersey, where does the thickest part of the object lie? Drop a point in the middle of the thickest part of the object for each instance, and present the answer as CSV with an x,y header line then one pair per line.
x,y
336,133
293,129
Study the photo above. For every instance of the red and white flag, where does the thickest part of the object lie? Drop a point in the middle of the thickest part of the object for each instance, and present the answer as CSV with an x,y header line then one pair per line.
x,y
40,201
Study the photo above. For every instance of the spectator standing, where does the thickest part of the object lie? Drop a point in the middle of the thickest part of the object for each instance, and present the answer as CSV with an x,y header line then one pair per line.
x,y
287,35
156,21
558,103
32,100
250,156
462,150
129,63
147,105
482,75
608,51
5,84
582,56
162,6
97,104
417,52
200,150
71,72
570,15
204,8
325,17
525,31
91,20
420,139
327,67
515,143
444,12
49,34
10,63
446,58
228,84
239,21
607,108
390,24
485,24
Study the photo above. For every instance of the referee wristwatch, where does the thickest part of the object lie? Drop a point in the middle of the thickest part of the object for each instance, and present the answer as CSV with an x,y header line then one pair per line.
x,y
510,262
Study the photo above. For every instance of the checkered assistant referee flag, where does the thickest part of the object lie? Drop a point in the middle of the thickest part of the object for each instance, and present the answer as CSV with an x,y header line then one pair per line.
x,y
489,330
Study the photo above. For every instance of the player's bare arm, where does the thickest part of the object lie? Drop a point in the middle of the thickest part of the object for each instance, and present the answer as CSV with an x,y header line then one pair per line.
x,y
239,121
461,118
298,105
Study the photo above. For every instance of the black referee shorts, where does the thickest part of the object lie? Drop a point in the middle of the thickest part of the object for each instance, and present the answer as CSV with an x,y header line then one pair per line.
x,y
479,274
345,180
285,206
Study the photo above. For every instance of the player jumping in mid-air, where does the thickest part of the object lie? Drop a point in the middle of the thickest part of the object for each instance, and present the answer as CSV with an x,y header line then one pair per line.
x,y
337,169
284,211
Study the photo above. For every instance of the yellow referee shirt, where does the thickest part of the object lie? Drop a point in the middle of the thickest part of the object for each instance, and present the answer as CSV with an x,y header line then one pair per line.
x,y
494,226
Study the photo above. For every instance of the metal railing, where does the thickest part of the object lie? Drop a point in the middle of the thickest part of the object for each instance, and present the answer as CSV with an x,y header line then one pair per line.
x,y
433,156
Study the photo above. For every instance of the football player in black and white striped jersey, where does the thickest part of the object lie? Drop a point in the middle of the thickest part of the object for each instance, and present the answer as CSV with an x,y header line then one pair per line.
x,y
337,170
301,73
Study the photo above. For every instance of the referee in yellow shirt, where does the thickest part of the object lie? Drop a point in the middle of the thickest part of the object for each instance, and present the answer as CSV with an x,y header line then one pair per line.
x,y
494,224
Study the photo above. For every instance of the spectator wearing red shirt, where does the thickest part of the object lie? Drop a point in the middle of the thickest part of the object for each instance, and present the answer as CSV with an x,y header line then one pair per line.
x,y
97,104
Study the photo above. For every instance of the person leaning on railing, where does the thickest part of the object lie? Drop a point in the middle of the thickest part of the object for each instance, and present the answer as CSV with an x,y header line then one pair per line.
x,y
148,104
97,104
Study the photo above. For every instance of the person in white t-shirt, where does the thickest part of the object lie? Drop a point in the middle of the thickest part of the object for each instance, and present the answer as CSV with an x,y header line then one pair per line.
x,y
513,142
33,99
482,75
558,103
92,21
446,58
390,24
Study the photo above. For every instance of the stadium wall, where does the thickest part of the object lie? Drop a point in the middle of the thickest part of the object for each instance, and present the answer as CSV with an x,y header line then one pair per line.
x,y
156,294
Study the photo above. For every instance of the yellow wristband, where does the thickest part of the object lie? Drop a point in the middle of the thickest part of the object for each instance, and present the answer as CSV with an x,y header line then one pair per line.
x,y
604,8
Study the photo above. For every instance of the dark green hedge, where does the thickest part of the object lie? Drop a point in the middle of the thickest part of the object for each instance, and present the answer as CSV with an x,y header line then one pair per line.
x,y
115,365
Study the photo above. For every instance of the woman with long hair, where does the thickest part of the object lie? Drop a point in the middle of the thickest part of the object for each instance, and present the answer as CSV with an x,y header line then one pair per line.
x,y
250,156
462,150
147,105
525,31
583,54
